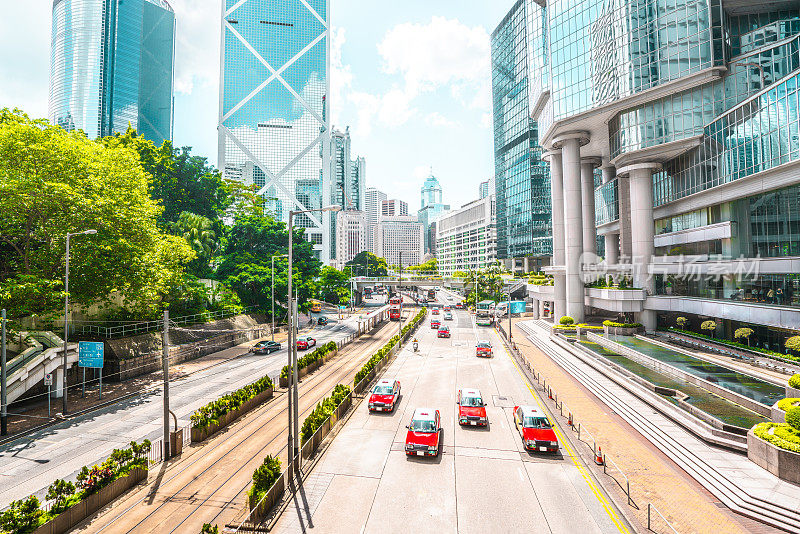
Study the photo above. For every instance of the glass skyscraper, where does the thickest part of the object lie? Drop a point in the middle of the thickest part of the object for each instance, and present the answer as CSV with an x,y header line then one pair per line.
x,y
431,207
522,185
274,128
673,132
111,66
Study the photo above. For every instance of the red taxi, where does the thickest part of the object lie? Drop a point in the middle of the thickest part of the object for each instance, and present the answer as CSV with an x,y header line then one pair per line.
x,y
471,408
444,331
484,349
535,429
306,343
423,434
435,324
384,396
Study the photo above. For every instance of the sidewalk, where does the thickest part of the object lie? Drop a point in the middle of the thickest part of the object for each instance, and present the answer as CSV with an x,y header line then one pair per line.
x,y
654,477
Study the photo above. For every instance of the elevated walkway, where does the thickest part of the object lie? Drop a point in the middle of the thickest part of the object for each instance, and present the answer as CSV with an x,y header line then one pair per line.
x,y
43,355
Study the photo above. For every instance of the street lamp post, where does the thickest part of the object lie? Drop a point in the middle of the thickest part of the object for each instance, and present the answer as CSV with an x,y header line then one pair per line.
x,y
66,323
293,449
273,293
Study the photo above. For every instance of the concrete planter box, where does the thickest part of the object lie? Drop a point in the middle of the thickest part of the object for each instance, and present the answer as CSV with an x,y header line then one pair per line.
x,y
792,393
202,434
780,462
616,331
83,509
778,415
305,371
260,511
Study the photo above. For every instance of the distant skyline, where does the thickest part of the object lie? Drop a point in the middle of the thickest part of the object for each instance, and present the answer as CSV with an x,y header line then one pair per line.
x,y
413,82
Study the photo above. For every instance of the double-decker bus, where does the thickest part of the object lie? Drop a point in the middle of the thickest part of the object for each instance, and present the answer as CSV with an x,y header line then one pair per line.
x,y
432,295
367,292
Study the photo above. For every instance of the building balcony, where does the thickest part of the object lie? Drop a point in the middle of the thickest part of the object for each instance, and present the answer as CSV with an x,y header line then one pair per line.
x,y
615,299
746,312
722,230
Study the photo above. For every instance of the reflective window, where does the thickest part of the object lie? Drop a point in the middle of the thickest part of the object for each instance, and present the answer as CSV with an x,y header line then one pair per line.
x,y
606,203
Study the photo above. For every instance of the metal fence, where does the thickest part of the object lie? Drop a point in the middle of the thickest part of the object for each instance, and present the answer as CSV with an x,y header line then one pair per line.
x,y
132,329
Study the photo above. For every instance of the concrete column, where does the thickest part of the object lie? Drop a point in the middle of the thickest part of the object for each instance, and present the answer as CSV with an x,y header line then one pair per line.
x,y
573,220
587,197
536,307
58,383
612,240
557,211
642,230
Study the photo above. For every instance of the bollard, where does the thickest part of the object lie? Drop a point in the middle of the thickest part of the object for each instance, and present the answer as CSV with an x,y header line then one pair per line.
x,y
569,422
579,431
648,516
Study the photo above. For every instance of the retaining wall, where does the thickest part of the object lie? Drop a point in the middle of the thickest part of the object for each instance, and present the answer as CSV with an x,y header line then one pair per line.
x,y
782,463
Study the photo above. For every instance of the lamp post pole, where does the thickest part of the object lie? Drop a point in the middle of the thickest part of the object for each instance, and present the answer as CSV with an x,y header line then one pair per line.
x,y
293,449
66,323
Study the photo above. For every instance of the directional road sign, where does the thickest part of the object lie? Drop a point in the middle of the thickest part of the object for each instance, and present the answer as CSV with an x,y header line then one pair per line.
x,y
90,354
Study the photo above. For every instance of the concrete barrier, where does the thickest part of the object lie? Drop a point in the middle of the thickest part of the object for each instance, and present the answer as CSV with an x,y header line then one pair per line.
x,y
782,463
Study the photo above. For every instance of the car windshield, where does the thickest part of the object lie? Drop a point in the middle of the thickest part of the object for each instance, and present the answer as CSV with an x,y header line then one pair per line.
x,y
484,345
382,390
536,421
423,425
471,401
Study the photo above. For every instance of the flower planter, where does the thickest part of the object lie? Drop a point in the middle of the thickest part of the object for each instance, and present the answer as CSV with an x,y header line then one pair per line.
x,y
284,381
259,511
617,331
203,433
782,463
86,507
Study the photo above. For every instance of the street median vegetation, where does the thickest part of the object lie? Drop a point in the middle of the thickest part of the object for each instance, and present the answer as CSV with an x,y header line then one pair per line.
x,y
383,351
323,411
310,359
213,413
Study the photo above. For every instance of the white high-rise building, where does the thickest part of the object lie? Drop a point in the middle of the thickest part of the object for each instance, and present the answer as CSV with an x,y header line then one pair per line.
x,y
351,235
466,238
400,239
274,122
393,208
373,201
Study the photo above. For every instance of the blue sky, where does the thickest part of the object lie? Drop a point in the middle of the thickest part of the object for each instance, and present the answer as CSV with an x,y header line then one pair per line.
x,y
411,78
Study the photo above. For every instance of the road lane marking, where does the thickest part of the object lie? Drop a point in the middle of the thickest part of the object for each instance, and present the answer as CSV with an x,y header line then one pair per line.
x,y
607,506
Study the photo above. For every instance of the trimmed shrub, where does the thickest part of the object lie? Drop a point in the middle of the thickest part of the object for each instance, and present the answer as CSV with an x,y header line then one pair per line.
x,y
708,325
310,358
793,418
793,343
780,435
681,321
211,412
613,324
794,381
743,333
788,404
208,529
263,478
323,411
736,344
566,320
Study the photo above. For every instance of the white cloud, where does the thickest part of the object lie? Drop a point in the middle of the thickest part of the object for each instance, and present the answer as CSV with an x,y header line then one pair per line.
x,y
426,57
197,40
436,119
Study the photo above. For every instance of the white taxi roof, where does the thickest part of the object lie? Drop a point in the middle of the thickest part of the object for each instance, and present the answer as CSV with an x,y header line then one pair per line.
x,y
531,411
424,414
471,392
386,382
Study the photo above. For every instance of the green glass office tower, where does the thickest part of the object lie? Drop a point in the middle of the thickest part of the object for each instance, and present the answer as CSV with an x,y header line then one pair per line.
x,y
274,128
522,181
111,66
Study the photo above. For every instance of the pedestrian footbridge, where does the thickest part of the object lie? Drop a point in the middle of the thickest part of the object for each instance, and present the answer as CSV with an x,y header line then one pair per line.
x,y
40,353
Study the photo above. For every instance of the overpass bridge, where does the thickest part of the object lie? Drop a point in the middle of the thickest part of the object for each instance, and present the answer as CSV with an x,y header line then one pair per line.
x,y
512,285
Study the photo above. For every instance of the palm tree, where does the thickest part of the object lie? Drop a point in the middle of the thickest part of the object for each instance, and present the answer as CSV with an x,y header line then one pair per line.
x,y
198,232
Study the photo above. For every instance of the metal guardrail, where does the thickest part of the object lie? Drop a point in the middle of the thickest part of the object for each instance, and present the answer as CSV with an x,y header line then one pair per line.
x,y
651,506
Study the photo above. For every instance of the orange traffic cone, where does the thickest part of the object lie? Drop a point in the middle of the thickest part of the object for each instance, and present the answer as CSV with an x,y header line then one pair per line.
x,y
598,457
550,393
569,422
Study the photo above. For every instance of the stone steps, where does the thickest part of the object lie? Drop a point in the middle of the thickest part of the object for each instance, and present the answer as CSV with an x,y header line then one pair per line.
x,y
785,515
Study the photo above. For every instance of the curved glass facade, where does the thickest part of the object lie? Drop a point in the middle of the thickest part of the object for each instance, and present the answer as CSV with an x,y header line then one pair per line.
x,y
274,129
112,66
606,202
759,134
604,50
522,179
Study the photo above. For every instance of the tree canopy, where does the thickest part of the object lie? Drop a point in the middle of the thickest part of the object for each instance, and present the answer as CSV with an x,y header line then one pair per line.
x,y
429,267
366,263
333,285
54,182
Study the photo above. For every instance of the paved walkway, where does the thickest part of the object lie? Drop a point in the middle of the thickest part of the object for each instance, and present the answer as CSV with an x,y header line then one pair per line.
x,y
654,477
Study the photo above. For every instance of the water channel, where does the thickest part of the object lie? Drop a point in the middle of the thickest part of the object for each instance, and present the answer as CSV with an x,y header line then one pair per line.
x,y
726,411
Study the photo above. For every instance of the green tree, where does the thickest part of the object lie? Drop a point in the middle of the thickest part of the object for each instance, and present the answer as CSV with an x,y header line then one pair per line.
x,y
793,343
429,267
366,263
333,285
53,182
709,326
743,333
245,262
681,322
201,235
21,516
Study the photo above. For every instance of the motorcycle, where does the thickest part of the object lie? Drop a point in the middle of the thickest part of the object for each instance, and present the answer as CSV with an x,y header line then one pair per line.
x,y
416,346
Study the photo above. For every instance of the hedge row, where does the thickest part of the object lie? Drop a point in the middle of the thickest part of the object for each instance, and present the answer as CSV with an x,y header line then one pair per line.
x,y
788,404
612,324
264,477
24,516
211,412
736,344
783,435
378,356
322,411
794,381
310,358
572,327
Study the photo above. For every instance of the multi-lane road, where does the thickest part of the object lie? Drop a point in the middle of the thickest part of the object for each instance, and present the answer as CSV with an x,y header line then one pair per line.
x,y
483,481
31,463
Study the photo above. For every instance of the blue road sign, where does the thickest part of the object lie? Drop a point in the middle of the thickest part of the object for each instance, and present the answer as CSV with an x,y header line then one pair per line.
x,y
90,354
517,306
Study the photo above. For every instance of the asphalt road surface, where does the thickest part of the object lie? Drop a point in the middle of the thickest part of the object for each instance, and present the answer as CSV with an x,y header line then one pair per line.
x,y
482,482
31,463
